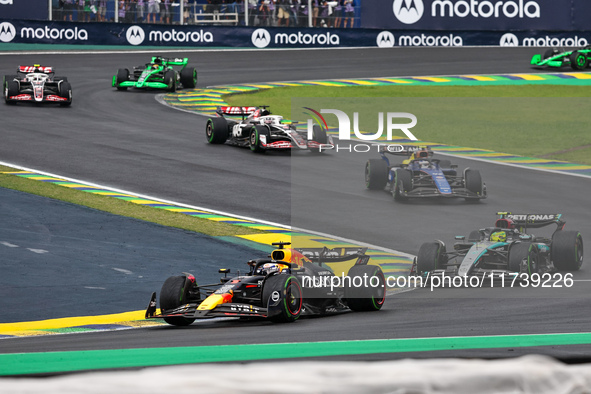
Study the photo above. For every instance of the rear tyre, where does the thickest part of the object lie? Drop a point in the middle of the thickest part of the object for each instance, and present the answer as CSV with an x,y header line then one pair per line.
x,y
567,250
523,251
189,77
370,296
431,257
255,138
65,91
376,174
402,183
170,80
11,89
288,289
473,182
579,61
122,76
172,295
216,130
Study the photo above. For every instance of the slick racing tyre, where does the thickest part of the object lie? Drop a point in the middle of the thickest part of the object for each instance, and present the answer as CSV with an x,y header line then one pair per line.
x,y
11,89
287,291
189,77
566,250
255,138
431,257
376,174
122,76
368,292
318,135
402,183
170,80
173,294
216,130
579,61
520,252
473,182
65,90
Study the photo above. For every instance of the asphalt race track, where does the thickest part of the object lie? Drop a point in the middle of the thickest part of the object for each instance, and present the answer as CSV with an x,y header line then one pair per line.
x,y
128,141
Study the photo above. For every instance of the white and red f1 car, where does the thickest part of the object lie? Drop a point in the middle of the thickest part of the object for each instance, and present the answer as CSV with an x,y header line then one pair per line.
x,y
37,84
262,131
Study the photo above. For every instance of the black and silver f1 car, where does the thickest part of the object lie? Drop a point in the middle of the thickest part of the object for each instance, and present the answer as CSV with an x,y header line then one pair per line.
x,y
37,84
505,249
577,59
421,176
262,131
289,284
158,74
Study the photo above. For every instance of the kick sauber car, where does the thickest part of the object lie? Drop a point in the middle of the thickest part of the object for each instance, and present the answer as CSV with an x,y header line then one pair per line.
x,y
37,84
421,176
262,131
577,59
281,288
158,74
506,249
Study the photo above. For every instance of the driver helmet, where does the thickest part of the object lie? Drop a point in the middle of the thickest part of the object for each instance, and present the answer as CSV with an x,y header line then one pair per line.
x,y
268,268
158,60
422,154
265,112
498,236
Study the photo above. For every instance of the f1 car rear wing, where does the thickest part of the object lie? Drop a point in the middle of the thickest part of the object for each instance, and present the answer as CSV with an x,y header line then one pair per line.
x,y
243,111
336,255
35,68
172,62
525,220
404,150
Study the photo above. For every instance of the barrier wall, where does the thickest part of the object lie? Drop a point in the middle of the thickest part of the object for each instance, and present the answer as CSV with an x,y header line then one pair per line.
x,y
19,31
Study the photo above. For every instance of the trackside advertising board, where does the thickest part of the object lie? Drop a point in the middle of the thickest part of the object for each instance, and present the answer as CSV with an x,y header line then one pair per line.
x,y
47,32
477,14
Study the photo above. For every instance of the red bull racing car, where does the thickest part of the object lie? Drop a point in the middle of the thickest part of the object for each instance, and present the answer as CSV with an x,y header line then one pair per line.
x,y
289,284
261,131
37,84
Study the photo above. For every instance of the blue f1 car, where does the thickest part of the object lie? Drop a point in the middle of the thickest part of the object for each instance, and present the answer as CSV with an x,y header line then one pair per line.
x,y
422,176
504,249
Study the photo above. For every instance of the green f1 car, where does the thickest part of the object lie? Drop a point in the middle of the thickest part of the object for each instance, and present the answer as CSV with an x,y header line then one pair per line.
x,y
158,74
578,59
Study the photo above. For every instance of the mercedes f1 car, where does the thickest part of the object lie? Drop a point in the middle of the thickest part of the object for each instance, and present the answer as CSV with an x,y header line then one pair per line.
x,y
289,284
577,59
262,131
158,74
421,176
505,249
37,84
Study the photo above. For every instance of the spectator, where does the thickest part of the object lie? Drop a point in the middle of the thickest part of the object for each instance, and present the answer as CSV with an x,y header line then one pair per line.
x,y
68,9
283,12
102,11
140,8
315,10
252,11
337,14
165,12
323,13
303,14
263,13
349,13
122,9
80,10
153,10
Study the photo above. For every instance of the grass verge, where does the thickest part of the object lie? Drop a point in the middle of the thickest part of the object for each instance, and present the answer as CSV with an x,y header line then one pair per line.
x,y
121,207
527,120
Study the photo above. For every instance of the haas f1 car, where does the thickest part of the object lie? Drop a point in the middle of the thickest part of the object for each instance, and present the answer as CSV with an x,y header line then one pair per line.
x,y
158,74
505,249
289,284
421,176
577,59
261,131
37,84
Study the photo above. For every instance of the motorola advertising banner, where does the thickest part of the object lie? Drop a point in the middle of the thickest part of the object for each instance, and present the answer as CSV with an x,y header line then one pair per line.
x,y
18,31
24,9
476,14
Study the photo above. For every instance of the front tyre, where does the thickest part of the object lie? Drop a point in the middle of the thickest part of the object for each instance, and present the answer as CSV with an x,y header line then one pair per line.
x,y
255,143
189,77
520,252
170,80
473,182
431,257
216,130
402,184
11,89
318,135
122,76
173,294
370,294
65,90
567,250
376,174
283,294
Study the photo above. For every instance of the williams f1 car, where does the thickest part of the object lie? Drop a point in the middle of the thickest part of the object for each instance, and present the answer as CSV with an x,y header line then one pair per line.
x,y
577,59
506,249
37,84
421,176
262,131
158,74
289,284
